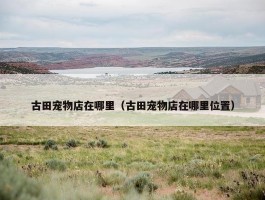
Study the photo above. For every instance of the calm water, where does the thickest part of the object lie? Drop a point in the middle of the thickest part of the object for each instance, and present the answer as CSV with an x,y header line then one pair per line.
x,y
114,71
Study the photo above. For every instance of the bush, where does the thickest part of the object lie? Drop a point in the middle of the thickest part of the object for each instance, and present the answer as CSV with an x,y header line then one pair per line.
x,y
72,143
102,143
91,144
56,165
50,144
15,185
141,182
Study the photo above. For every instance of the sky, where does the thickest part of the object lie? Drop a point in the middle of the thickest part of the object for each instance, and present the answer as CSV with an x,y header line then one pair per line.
x,y
131,23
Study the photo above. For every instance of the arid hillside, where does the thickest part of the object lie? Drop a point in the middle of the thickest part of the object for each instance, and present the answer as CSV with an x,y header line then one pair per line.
x,y
21,68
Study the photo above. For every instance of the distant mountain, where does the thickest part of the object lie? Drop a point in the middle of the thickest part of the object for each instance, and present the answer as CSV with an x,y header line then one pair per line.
x,y
70,58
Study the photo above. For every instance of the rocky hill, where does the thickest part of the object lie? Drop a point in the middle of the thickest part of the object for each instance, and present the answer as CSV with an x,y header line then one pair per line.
x,y
245,69
21,68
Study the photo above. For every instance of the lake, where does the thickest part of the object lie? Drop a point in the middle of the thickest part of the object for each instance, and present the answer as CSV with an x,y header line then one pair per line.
x,y
115,71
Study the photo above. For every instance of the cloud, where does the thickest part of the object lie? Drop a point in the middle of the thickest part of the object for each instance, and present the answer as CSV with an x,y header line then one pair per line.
x,y
88,4
130,23
8,36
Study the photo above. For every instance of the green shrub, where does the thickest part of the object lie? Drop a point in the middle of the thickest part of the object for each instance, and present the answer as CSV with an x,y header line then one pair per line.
x,y
14,185
91,144
141,182
56,165
102,143
72,143
50,144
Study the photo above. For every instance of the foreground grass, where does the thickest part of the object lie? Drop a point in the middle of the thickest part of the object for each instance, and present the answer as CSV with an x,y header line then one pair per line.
x,y
138,162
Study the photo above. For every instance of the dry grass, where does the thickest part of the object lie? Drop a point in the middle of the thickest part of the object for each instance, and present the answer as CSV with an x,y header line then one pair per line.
x,y
197,160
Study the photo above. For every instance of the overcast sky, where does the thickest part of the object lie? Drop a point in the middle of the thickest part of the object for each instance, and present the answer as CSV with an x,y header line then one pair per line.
x,y
132,23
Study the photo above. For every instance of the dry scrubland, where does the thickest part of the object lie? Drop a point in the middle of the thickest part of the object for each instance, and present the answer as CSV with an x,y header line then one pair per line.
x,y
184,163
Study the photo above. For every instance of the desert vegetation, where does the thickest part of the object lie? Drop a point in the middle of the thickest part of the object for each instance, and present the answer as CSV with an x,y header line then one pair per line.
x,y
168,163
